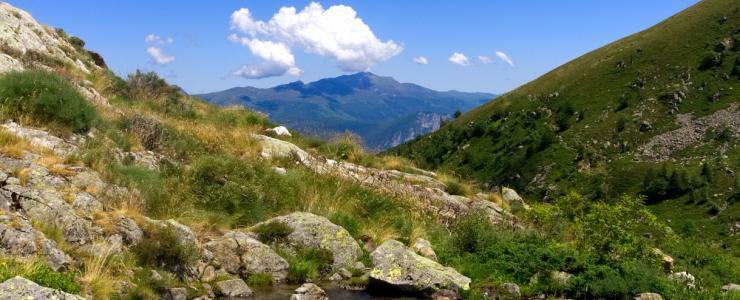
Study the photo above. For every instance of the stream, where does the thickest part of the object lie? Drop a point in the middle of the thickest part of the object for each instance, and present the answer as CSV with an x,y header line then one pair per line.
x,y
333,291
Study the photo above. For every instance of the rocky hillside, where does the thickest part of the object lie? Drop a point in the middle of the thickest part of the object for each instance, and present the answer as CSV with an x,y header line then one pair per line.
x,y
655,114
380,110
115,188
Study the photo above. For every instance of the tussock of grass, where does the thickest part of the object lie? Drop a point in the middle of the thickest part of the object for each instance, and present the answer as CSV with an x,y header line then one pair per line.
x,y
45,99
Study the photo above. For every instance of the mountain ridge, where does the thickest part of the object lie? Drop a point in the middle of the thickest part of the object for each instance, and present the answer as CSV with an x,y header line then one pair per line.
x,y
369,105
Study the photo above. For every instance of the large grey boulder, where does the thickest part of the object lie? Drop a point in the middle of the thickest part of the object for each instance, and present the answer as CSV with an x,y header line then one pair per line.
x,y
21,288
274,148
238,253
512,197
185,236
399,267
317,232
234,289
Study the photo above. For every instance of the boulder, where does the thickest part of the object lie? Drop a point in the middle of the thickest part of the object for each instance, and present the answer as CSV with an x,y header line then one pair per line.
x,y
184,235
240,254
234,289
511,290
512,197
561,278
649,296
128,229
279,131
21,288
41,138
274,148
399,268
424,248
309,291
176,294
731,287
8,64
317,232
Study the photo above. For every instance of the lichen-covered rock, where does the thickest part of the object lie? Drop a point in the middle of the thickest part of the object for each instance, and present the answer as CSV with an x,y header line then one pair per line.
x,y
21,288
511,290
684,278
317,232
279,131
309,291
240,254
398,267
18,237
8,64
176,294
731,287
128,229
234,289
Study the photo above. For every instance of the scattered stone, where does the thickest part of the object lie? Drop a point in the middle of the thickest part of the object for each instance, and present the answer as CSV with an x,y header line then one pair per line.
x,y
279,170
234,289
336,277
645,126
309,291
398,267
561,278
445,295
317,232
21,288
424,248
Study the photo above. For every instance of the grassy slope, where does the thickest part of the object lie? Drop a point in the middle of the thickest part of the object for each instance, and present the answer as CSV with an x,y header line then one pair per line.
x,y
501,142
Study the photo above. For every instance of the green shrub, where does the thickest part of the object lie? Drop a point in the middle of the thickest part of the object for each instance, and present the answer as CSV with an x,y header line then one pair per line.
x,y
161,248
77,42
272,232
149,86
150,132
40,273
259,280
45,98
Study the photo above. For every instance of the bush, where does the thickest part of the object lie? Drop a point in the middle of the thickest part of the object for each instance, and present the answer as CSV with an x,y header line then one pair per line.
x,y
150,132
272,232
45,98
77,42
161,248
149,86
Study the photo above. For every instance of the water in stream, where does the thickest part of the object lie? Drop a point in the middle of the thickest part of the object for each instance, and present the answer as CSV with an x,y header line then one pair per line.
x,y
333,291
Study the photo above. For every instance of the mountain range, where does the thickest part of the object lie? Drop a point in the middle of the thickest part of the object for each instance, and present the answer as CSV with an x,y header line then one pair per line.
x,y
380,110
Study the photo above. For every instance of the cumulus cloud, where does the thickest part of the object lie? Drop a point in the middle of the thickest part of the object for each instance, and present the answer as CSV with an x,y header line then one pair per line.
x,y
421,60
155,51
277,59
505,58
335,32
459,58
158,56
485,59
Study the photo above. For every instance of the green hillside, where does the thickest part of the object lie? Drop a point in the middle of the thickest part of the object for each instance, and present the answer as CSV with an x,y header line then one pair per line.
x,y
593,125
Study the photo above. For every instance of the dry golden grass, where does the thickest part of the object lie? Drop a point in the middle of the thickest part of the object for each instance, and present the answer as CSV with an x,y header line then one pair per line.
x,y
96,277
237,141
12,145
55,165
23,175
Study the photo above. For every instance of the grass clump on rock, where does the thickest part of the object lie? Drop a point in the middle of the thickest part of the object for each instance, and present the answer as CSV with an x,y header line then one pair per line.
x,y
272,232
161,248
41,97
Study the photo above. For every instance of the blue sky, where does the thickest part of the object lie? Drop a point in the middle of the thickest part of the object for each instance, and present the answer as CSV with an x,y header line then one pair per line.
x,y
537,36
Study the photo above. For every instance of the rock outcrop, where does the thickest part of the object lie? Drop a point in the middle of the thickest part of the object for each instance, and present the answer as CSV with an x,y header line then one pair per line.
x,y
398,267
317,232
234,289
427,192
239,254
21,288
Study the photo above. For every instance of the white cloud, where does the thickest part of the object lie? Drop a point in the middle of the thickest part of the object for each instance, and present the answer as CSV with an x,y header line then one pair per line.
x,y
505,58
158,56
485,59
421,60
157,40
335,32
155,51
277,59
459,59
